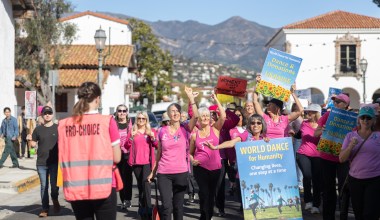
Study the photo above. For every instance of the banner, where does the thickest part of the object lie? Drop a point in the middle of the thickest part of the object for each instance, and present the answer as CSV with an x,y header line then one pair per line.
x,y
304,94
30,105
231,86
338,124
278,74
268,179
332,92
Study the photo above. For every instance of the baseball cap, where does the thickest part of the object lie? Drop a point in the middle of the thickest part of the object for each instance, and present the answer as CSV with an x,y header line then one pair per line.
x,y
46,109
342,97
313,108
367,110
377,100
214,108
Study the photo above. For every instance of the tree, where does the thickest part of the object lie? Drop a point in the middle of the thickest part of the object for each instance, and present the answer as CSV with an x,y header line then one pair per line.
x,y
151,60
39,51
243,186
271,192
377,2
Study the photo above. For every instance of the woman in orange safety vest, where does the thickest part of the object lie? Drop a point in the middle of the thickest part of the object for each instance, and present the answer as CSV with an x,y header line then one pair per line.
x,y
88,145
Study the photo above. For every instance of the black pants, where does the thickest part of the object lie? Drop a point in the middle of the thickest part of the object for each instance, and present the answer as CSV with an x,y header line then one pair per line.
x,y
331,171
172,189
24,144
365,195
126,176
141,173
207,181
103,209
311,171
231,172
221,188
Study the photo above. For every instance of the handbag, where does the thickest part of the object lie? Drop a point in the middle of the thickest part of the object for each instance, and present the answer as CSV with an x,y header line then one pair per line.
x,y
344,190
119,181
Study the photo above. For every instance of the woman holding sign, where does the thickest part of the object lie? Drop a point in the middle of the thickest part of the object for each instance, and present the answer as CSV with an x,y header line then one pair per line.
x,y
331,167
362,148
276,122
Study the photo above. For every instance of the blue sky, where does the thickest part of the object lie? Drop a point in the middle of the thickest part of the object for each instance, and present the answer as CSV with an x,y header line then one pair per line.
x,y
275,13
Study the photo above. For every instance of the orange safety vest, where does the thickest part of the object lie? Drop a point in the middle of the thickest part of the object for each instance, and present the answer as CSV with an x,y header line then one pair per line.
x,y
86,157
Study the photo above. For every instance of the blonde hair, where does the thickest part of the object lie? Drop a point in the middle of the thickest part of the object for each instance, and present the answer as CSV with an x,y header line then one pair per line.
x,y
147,125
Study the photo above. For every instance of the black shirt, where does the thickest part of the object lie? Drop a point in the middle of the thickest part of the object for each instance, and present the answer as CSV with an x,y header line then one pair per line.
x,y
47,138
122,126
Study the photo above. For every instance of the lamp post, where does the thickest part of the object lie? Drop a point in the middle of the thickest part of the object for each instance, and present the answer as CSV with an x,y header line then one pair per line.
x,y
100,40
363,66
155,82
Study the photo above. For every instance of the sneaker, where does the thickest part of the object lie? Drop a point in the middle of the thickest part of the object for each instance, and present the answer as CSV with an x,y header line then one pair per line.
x,y
221,213
191,198
57,206
128,204
43,214
308,206
314,210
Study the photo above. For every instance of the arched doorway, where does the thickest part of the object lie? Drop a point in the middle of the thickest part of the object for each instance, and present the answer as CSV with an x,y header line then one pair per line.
x,y
317,96
354,97
376,95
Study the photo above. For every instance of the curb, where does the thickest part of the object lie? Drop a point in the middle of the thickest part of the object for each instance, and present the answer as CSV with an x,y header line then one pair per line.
x,y
26,184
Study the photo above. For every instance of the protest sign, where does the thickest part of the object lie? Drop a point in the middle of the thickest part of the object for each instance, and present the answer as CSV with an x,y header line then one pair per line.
x,y
231,86
303,94
332,92
268,179
338,124
278,74
30,105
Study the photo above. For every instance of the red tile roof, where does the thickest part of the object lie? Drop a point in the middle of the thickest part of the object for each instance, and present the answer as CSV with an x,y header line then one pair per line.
x,y
99,15
86,55
72,77
336,20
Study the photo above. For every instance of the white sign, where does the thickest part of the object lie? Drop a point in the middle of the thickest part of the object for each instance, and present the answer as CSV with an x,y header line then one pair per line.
x,y
30,105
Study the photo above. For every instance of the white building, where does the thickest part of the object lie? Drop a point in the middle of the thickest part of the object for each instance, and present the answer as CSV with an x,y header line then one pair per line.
x,y
332,46
80,62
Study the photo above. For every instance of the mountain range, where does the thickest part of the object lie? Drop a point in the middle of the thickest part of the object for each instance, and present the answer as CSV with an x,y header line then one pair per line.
x,y
235,41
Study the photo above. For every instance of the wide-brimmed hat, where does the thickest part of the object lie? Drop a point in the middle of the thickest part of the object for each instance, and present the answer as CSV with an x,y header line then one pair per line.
x,y
313,108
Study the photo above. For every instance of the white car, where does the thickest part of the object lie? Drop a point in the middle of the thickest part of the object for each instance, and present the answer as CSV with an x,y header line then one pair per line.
x,y
152,119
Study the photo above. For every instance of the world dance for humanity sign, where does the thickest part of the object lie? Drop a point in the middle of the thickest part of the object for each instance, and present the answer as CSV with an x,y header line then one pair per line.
x,y
268,179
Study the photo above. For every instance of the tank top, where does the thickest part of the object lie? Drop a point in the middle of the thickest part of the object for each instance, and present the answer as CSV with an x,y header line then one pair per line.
x,y
209,159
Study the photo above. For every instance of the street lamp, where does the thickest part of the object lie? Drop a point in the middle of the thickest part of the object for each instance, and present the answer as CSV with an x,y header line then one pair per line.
x,y
155,82
100,40
363,66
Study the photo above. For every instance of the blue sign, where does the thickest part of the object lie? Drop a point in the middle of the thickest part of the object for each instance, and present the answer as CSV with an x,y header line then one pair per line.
x,y
268,179
332,92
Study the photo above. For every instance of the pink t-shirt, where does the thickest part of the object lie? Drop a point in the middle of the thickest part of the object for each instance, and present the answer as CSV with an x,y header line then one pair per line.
x,y
209,159
142,149
321,122
231,152
115,139
366,163
174,151
276,129
309,142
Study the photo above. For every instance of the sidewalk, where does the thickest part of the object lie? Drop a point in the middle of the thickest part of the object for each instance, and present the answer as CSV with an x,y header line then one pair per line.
x,y
17,180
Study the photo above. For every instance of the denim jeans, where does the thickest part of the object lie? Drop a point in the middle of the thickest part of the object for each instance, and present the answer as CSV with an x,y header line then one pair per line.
x,y
43,173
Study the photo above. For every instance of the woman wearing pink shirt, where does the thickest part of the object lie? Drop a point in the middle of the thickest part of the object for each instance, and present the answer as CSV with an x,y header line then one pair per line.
x,y
125,126
308,158
142,143
172,160
276,122
206,162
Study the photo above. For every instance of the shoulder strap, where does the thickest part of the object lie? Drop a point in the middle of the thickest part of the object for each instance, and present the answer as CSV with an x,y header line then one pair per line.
x,y
356,152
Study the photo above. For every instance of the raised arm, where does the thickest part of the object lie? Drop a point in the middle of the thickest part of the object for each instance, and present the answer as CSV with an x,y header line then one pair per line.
x,y
222,117
294,115
194,117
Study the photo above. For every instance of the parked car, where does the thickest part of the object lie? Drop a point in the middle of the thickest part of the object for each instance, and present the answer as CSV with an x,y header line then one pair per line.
x,y
152,119
159,108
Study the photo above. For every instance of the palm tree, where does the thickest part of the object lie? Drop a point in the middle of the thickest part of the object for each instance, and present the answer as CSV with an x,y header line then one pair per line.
x,y
257,188
286,189
243,186
271,193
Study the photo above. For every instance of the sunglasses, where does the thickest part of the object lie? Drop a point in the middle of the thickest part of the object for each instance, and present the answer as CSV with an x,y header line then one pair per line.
x,y
120,110
214,114
143,119
256,123
337,101
365,117
48,113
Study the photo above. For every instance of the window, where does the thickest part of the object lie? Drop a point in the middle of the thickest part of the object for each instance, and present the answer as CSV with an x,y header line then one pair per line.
x,y
61,102
347,56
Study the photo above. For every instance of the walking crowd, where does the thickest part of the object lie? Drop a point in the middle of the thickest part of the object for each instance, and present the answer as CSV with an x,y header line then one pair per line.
x,y
94,156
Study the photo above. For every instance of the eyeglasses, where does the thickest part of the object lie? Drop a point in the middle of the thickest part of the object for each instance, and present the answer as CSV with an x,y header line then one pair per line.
x,y
256,123
337,101
143,119
48,113
365,117
123,111
238,115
